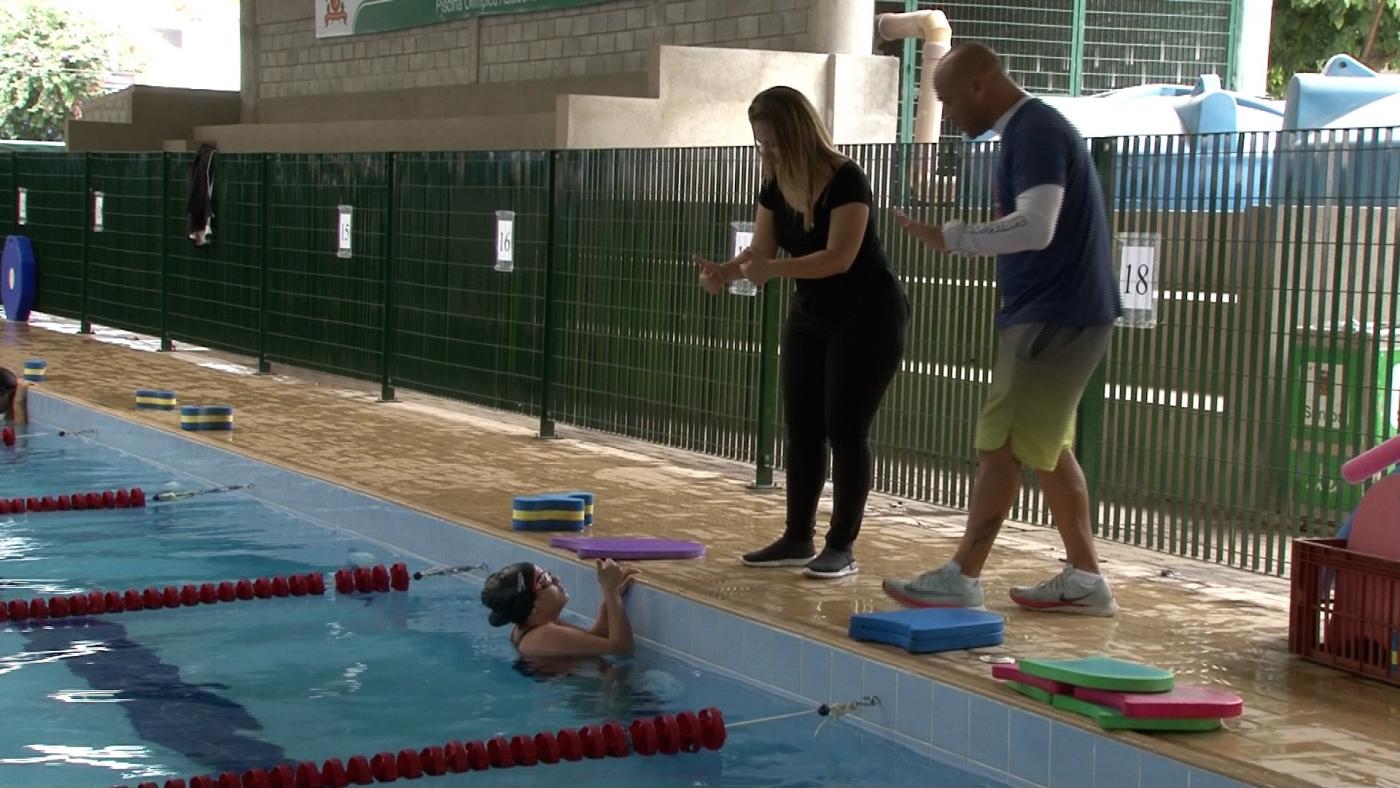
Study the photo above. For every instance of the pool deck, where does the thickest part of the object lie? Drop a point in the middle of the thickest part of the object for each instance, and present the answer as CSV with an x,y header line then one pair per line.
x,y
1303,723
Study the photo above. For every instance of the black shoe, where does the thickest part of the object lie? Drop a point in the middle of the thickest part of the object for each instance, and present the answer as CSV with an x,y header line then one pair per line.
x,y
831,564
787,551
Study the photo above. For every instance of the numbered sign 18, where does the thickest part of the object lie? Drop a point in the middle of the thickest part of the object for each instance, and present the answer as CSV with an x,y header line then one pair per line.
x,y
22,205
1138,254
743,239
505,241
98,201
344,230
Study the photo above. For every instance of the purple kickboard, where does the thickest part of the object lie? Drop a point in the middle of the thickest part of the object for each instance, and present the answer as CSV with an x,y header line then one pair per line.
x,y
629,549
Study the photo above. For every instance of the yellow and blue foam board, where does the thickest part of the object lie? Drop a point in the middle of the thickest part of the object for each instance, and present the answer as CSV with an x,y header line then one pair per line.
x,y
36,370
206,417
548,513
155,399
586,497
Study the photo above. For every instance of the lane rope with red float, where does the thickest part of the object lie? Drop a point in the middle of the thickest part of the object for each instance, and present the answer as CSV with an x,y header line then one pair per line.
x,y
9,437
362,579
135,498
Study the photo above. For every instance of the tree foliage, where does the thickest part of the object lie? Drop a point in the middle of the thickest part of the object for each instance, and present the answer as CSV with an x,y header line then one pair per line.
x,y
1307,32
50,60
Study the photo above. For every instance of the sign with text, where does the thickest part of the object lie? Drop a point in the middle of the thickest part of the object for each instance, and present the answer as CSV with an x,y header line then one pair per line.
x,y
22,205
345,230
505,240
743,239
1138,254
99,200
335,18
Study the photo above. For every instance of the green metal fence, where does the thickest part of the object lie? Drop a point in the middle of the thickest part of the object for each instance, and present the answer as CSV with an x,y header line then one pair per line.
x,y
326,312
214,291
54,191
1215,430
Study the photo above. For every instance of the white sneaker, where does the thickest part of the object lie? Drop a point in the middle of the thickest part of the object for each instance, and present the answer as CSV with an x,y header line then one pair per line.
x,y
1068,592
943,587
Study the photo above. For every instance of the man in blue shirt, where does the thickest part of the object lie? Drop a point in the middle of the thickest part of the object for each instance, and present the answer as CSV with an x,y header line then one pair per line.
x,y
1059,302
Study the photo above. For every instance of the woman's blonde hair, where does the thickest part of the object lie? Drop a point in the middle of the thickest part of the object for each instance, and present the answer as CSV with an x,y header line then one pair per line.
x,y
807,156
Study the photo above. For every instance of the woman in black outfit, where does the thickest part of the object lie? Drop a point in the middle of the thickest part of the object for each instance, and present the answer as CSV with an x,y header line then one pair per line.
x,y
846,329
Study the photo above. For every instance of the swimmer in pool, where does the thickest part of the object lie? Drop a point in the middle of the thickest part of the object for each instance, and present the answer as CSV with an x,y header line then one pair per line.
x,y
13,394
532,599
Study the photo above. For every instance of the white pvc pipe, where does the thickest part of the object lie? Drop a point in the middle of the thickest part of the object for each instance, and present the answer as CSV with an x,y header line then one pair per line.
x,y
933,28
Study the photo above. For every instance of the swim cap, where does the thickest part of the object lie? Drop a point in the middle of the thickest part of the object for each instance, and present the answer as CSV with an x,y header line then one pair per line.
x,y
510,593
8,385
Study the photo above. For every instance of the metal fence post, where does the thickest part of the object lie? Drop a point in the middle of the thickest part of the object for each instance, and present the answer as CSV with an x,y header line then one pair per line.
x,y
85,325
767,387
163,234
1076,49
1088,435
386,355
265,196
547,327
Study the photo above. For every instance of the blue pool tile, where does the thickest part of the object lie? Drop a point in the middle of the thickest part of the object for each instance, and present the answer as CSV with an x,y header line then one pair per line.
x,y
787,662
847,677
951,710
731,637
1200,778
758,653
981,776
1030,747
1159,772
677,625
816,671
1071,757
1115,764
706,642
987,734
645,609
914,707
880,681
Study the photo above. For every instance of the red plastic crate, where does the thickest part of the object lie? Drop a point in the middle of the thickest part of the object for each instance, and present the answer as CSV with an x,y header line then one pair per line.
x,y
1344,609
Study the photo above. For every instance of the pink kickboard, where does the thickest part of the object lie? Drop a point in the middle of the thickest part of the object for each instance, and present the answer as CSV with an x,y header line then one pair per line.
x,y
628,549
1375,530
1184,701
1011,673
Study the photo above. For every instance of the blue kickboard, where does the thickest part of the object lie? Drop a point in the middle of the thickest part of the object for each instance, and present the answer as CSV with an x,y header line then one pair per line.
x,y
929,645
563,503
548,525
933,622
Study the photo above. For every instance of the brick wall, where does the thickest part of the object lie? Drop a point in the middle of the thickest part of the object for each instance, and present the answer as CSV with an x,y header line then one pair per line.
x,y
607,38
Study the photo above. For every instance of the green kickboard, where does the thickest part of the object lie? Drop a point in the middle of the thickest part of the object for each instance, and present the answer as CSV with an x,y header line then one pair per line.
x,y
1031,692
1105,673
1113,720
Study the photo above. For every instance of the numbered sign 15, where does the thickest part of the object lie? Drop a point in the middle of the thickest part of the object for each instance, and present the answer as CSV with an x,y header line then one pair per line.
x,y
22,205
1138,255
345,230
98,202
505,240
743,239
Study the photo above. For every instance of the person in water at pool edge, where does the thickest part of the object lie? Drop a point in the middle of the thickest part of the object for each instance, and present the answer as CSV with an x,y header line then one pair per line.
x,y
13,395
533,600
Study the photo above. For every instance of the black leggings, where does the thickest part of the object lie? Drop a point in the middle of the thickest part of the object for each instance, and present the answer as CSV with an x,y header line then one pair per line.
x,y
836,366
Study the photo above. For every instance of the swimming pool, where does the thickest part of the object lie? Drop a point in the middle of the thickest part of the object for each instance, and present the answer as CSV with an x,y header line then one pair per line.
x,y
147,695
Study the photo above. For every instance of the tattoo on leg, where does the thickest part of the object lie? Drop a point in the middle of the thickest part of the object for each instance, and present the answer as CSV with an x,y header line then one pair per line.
x,y
984,532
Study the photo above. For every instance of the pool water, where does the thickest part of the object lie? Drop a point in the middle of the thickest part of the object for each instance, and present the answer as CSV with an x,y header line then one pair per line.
x,y
154,694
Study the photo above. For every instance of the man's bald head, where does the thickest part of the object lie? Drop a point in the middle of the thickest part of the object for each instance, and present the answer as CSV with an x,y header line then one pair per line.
x,y
972,60
974,89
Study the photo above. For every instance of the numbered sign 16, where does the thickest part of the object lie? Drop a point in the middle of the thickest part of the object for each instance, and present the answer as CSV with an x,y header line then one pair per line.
x,y
98,201
743,239
22,205
344,230
505,241
1138,254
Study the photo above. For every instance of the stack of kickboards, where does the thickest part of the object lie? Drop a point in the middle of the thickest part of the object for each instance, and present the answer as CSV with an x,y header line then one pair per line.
x,y
1121,695
572,511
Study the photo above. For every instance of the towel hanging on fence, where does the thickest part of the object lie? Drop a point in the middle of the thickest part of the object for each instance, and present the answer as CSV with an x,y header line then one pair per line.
x,y
201,202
